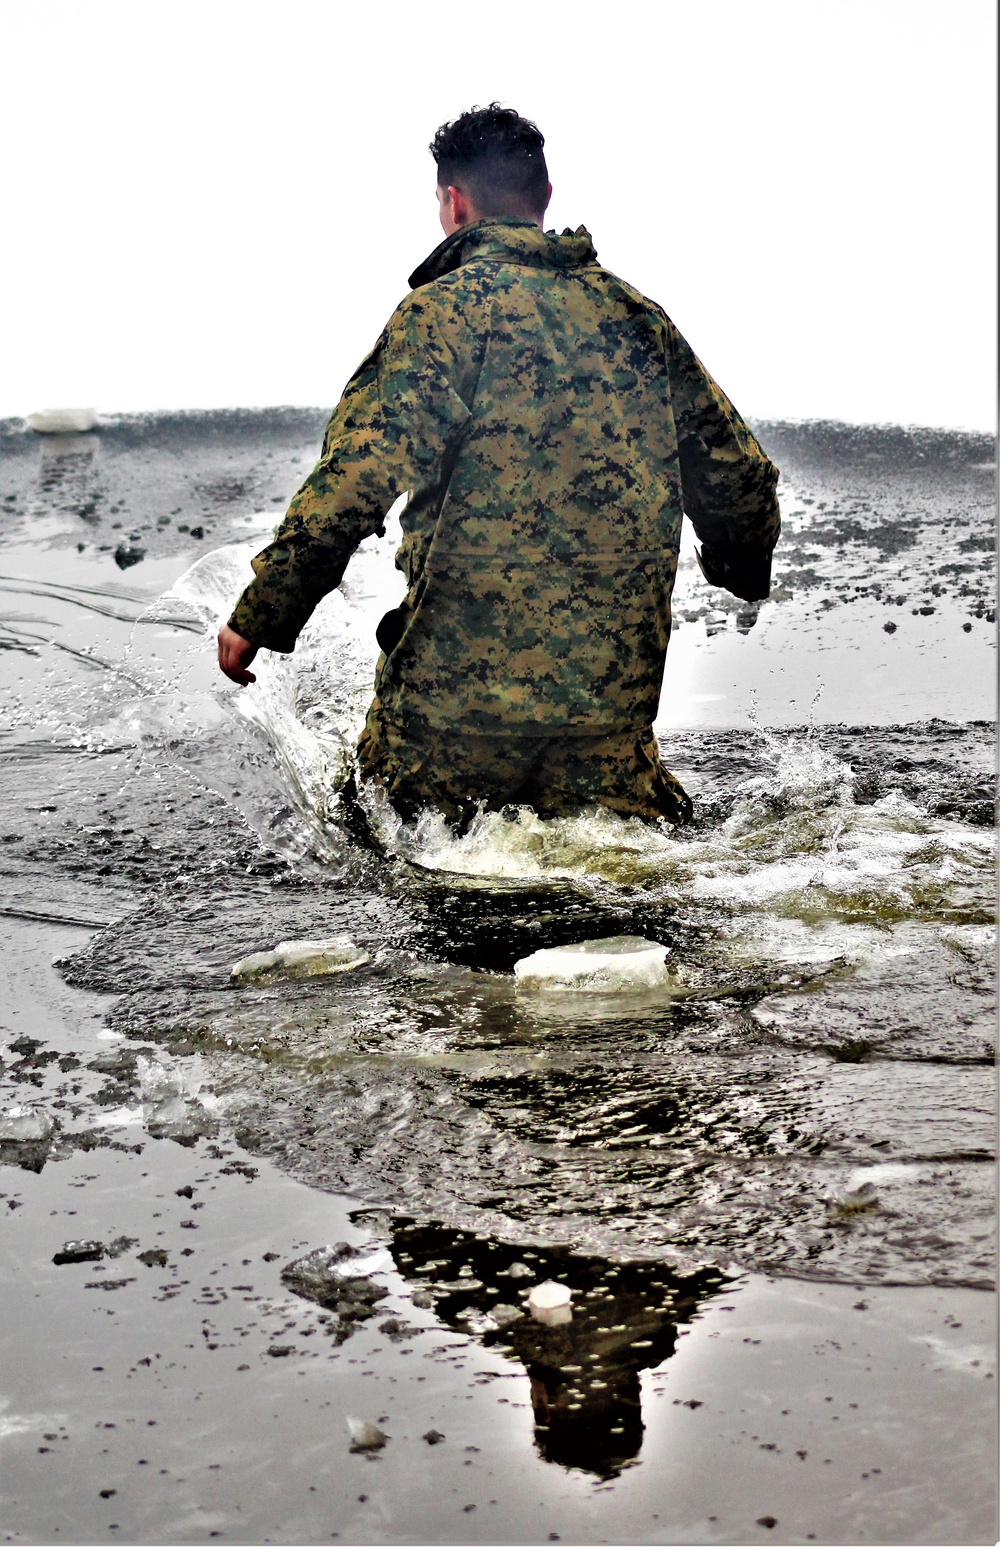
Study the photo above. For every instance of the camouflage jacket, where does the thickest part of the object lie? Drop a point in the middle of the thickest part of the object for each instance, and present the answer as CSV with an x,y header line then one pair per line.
x,y
550,426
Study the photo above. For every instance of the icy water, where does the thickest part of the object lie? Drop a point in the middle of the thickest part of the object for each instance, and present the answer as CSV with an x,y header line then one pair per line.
x,y
808,1094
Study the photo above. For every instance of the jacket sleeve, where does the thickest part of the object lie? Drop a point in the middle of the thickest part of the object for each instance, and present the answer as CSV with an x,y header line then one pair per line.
x,y
391,430
728,484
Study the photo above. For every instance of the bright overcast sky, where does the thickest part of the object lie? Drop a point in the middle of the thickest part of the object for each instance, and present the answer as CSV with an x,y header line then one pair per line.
x,y
217,202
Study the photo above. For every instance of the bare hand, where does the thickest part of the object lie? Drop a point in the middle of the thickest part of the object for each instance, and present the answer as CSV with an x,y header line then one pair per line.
x,y
235,655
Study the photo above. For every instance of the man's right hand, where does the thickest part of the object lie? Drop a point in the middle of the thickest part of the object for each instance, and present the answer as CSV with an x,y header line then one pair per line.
x,y
235,655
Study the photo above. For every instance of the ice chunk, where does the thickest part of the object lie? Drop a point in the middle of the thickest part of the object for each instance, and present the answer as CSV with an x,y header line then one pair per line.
x,y
622,961
548,1295
63,421
170,1109
301,959
504,1315
79,1251
365,1435
859,1201
549,1303
181,1119
325,1275
157,1082
320,1274
26,1125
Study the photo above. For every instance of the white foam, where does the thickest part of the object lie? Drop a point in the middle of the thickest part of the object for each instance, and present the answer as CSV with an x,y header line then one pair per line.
x,y
878,1175
310,705
526,847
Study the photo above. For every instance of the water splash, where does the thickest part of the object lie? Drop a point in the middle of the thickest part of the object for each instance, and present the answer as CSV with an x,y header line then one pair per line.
x,y
789,847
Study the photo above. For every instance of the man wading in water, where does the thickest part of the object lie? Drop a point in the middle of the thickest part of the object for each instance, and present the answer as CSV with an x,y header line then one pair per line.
x,y
550,426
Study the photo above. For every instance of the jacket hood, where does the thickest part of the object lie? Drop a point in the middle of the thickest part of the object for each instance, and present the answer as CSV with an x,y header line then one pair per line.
x,y
509,240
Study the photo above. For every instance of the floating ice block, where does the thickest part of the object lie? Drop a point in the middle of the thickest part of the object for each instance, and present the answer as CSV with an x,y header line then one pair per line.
x,y
548,1295
63,421
301,959
549,1303
623,961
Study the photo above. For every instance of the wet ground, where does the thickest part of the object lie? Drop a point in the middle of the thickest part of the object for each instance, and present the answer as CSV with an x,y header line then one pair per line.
x,y
767,1180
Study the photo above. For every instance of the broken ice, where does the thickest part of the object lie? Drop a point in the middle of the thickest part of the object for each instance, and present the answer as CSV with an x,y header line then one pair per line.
x,y
365,1435
622,961
301,959
170,1110
549,1303
79,1251
26,1125
63,421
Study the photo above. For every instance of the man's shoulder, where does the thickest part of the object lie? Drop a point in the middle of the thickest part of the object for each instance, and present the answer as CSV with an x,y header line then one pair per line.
x,y
479,279
458,307
437,305
630,296
473,279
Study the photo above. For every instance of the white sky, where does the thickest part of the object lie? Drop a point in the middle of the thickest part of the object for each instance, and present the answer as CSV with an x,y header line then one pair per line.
x,y
217,202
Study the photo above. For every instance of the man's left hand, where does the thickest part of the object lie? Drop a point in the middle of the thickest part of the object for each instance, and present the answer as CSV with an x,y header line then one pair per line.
x,y
235,655
750,579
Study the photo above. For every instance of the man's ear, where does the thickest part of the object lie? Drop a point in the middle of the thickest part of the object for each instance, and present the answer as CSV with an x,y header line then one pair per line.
x,y
458,205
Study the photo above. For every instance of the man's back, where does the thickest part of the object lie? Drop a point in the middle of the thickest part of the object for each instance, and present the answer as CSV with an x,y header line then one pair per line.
x,y
542,564
551,429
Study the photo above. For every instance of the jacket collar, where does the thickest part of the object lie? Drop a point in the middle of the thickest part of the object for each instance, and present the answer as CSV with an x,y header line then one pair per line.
x,y
508,240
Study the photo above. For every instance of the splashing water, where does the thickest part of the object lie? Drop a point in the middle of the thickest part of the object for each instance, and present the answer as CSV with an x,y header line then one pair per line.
x,y
795,842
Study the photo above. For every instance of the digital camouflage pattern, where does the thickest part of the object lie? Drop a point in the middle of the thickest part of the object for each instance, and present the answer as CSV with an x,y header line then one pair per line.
x,y
555,775
550,426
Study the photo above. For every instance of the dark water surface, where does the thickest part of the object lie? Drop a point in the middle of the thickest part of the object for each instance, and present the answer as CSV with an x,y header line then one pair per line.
x,y
793,1131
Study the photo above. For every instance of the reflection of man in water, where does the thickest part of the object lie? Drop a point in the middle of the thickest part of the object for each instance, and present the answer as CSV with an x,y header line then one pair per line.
x,y
550,426
583,1360
584,1375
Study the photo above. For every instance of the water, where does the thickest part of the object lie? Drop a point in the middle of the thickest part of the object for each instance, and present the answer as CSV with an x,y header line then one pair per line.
x,y
826,1017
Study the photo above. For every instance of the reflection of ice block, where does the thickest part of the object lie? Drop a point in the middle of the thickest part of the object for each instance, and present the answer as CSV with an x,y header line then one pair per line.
x,y
301,959
63,421
624,961
550,1303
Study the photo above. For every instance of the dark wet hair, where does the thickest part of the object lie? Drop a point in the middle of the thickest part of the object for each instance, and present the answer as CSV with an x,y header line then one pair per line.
x,y
495,156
